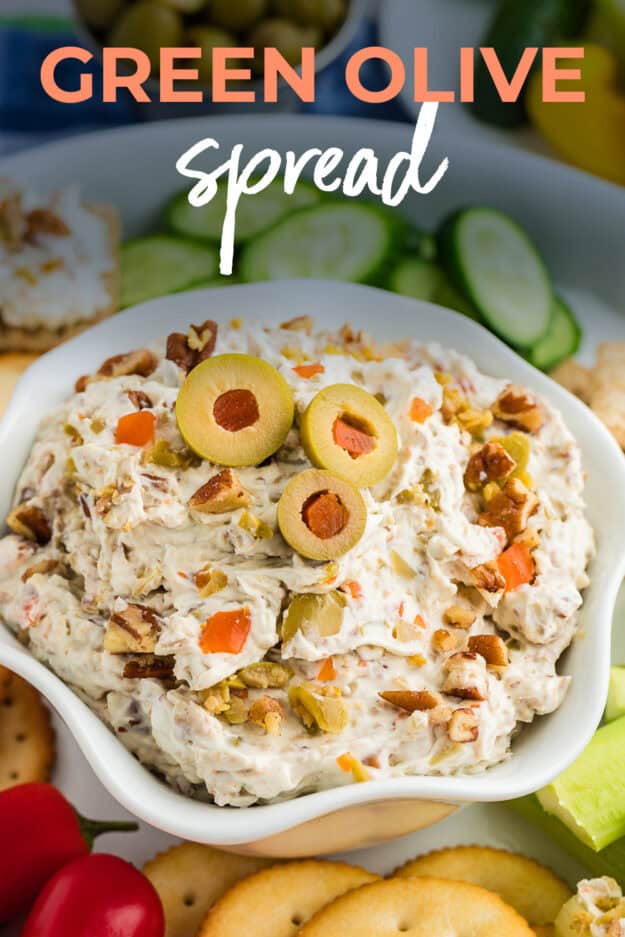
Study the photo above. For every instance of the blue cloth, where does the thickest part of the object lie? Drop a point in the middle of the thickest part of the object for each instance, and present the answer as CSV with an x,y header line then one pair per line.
x,y
25,107
28,116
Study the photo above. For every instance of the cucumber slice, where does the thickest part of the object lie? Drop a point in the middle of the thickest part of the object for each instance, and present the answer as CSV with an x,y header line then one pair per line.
x,y
615,707
491,259
255,213
448,296
417,278
156,266
351,241
609,861
560,341
589,797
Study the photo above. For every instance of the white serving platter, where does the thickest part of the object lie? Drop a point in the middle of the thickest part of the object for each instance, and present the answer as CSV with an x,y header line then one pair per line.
x,y
577,220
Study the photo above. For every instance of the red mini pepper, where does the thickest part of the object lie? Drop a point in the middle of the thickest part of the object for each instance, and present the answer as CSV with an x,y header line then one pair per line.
x,y
41,832
97,896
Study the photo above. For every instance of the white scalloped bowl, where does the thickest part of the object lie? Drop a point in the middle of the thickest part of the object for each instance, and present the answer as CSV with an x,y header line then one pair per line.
x,y
358,814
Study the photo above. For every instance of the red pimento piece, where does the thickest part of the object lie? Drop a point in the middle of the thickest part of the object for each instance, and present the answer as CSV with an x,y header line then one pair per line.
x,y
420,410
135,429
354,441
226,632
517,566
327,671
309,370
354,588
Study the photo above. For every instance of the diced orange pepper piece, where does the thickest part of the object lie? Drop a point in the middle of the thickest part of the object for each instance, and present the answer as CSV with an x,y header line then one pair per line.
x,y
226,632
353,440
354,588
135,429
345,762
420,411
327,671
309,370
517,566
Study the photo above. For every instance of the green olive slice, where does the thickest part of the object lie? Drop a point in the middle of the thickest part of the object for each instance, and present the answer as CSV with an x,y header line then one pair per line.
x,y
320,515
234,410
347,431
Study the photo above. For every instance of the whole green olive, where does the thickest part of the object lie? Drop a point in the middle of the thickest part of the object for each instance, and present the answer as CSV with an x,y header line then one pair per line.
x,y
99,14
149,26
237,15
186,6
209,38
285,36
326,14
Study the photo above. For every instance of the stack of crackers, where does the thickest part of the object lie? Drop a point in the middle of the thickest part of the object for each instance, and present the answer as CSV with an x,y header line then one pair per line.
x,y
601,387
455,892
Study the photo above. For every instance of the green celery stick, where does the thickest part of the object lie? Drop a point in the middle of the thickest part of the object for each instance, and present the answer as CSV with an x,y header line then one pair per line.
x,y
609,861
589,797
615,707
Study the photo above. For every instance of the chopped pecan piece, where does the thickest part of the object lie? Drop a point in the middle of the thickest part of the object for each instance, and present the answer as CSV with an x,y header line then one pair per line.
x,y
179,352
443,641
141,362
221,493
491,648
511,508
488,578
265,675
139,399
412,700
299,324
44,221
43,567
267,713
465,676
150,665
459,617
189,350
30,522
491,463
135,630
519,408
202,340
463,726
81,383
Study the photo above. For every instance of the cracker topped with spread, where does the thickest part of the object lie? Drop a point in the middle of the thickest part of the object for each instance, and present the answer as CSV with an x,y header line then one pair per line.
x,y
59,266
281,559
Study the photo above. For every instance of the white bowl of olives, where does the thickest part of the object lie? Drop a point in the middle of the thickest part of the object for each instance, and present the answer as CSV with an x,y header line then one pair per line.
x,y
287,25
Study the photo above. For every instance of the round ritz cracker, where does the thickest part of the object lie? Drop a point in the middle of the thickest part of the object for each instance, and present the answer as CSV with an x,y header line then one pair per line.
x,y
277,901
190,878
530,888
27,747
418,907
